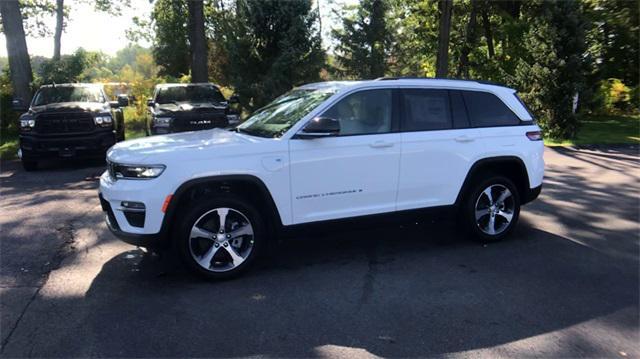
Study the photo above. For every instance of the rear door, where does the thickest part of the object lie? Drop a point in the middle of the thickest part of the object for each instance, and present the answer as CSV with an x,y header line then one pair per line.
x,y
437,146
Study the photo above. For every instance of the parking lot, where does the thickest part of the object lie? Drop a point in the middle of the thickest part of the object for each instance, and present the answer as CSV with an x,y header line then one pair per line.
x,y
566,284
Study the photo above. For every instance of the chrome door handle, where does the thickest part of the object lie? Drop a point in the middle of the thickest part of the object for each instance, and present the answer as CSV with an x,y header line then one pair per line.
x,y
381,144
464,138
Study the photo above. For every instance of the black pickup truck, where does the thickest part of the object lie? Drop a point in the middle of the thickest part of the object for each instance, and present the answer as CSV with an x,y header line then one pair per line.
x,y
69,120
189,107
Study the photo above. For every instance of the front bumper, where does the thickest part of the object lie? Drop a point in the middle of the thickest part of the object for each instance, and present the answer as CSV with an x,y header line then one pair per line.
x,y
140,240
94,145
127,224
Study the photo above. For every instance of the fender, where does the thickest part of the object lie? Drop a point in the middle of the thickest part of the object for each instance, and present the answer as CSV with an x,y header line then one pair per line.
x,y
186,186
494,161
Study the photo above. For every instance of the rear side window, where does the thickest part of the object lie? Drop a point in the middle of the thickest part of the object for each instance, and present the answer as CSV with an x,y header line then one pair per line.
x,y
487,110
424,110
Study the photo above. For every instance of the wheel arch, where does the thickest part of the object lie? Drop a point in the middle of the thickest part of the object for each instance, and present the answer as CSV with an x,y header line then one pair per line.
x,y
248,187
512,167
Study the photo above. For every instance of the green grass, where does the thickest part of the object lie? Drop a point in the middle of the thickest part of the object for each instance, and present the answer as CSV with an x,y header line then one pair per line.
x,y
8,146
604,130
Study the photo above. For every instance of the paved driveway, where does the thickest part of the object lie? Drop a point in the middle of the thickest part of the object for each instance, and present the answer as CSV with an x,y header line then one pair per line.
x,y
566,284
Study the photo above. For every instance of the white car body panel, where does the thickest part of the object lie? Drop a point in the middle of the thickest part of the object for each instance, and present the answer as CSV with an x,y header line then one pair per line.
x,y
328,178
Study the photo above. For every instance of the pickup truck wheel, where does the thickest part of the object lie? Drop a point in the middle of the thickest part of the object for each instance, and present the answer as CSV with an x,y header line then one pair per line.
x,y
220,238
29,165
492,209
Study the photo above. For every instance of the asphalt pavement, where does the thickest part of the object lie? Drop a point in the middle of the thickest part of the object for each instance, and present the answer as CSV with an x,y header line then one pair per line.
x,y
565,285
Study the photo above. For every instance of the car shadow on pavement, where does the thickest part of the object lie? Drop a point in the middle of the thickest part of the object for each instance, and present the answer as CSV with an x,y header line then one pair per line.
x,y
76,174
389,291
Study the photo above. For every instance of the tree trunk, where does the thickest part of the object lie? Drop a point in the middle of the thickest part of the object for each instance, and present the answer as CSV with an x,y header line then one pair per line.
x,y
442,59
470,42
19,62
198,42
59,25
487,30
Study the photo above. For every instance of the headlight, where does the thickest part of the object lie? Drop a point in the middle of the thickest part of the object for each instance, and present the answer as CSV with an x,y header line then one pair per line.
x,y
119,171
27,123
162,121
103,120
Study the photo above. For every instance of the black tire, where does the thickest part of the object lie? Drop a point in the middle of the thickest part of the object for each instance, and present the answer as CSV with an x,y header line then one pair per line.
x,y
29,165
185,245
479,229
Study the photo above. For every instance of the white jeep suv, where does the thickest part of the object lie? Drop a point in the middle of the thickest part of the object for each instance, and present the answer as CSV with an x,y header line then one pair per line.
x,y
324,152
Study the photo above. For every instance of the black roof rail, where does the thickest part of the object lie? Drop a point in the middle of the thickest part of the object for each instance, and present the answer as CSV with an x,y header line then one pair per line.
x,y
484,82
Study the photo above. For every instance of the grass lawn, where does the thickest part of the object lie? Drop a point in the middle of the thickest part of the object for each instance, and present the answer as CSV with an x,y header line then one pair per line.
x,y
8,146
604,129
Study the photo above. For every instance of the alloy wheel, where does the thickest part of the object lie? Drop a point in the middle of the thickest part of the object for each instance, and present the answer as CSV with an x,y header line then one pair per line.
x,y
494,209
221,239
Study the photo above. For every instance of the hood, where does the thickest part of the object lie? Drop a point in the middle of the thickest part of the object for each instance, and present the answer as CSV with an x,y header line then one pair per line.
x,y
187,145
71,106
190,106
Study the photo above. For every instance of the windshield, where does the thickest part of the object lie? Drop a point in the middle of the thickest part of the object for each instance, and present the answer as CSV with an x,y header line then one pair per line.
x,y
189,93
48,95
282,113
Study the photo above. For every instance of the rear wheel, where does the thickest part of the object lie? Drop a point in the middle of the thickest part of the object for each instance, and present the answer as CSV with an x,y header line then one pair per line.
x,y
29,165
221,237
491,209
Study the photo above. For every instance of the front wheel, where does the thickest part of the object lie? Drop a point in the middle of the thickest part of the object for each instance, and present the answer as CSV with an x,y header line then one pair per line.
x,y
29,165
221,237
492,208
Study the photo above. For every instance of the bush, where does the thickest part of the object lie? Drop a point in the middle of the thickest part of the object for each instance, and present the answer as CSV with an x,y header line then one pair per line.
x,y
8,117
613,96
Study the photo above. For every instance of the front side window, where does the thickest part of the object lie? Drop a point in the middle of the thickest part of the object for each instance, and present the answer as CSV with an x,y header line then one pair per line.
x,y
276,118
487,110
365,112
174,94
61,94
424,110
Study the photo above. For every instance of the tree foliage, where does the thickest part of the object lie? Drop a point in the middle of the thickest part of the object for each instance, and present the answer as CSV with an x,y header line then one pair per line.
x,y
364,40
272,46
171,46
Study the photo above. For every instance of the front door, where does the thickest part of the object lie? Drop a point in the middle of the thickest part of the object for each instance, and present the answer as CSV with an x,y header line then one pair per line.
x,y
354,173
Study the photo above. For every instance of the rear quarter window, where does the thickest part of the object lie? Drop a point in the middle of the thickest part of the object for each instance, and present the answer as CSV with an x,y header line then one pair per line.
x,y
487,110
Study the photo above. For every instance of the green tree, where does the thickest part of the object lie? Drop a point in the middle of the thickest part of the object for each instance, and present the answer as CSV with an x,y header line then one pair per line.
x,y
171,44
70,68
272,46
364,41
553,70
415,38
615,39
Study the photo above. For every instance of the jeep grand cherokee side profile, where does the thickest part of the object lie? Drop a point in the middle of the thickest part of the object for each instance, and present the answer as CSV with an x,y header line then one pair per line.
x,y
69,121
325,152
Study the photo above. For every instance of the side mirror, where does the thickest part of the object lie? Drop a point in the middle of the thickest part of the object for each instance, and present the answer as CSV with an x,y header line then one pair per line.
x,y
320,127
234,99
18,105
150,103
123,100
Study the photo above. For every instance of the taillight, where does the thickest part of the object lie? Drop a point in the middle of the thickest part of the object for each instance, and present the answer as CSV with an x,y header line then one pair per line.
x,y
534,135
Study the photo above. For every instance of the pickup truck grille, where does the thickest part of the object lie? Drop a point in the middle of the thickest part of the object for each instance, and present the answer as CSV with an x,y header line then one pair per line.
x,y
200,120
67,122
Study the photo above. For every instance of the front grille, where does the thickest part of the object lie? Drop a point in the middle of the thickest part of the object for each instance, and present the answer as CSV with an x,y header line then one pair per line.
x,y
200,120
66,122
